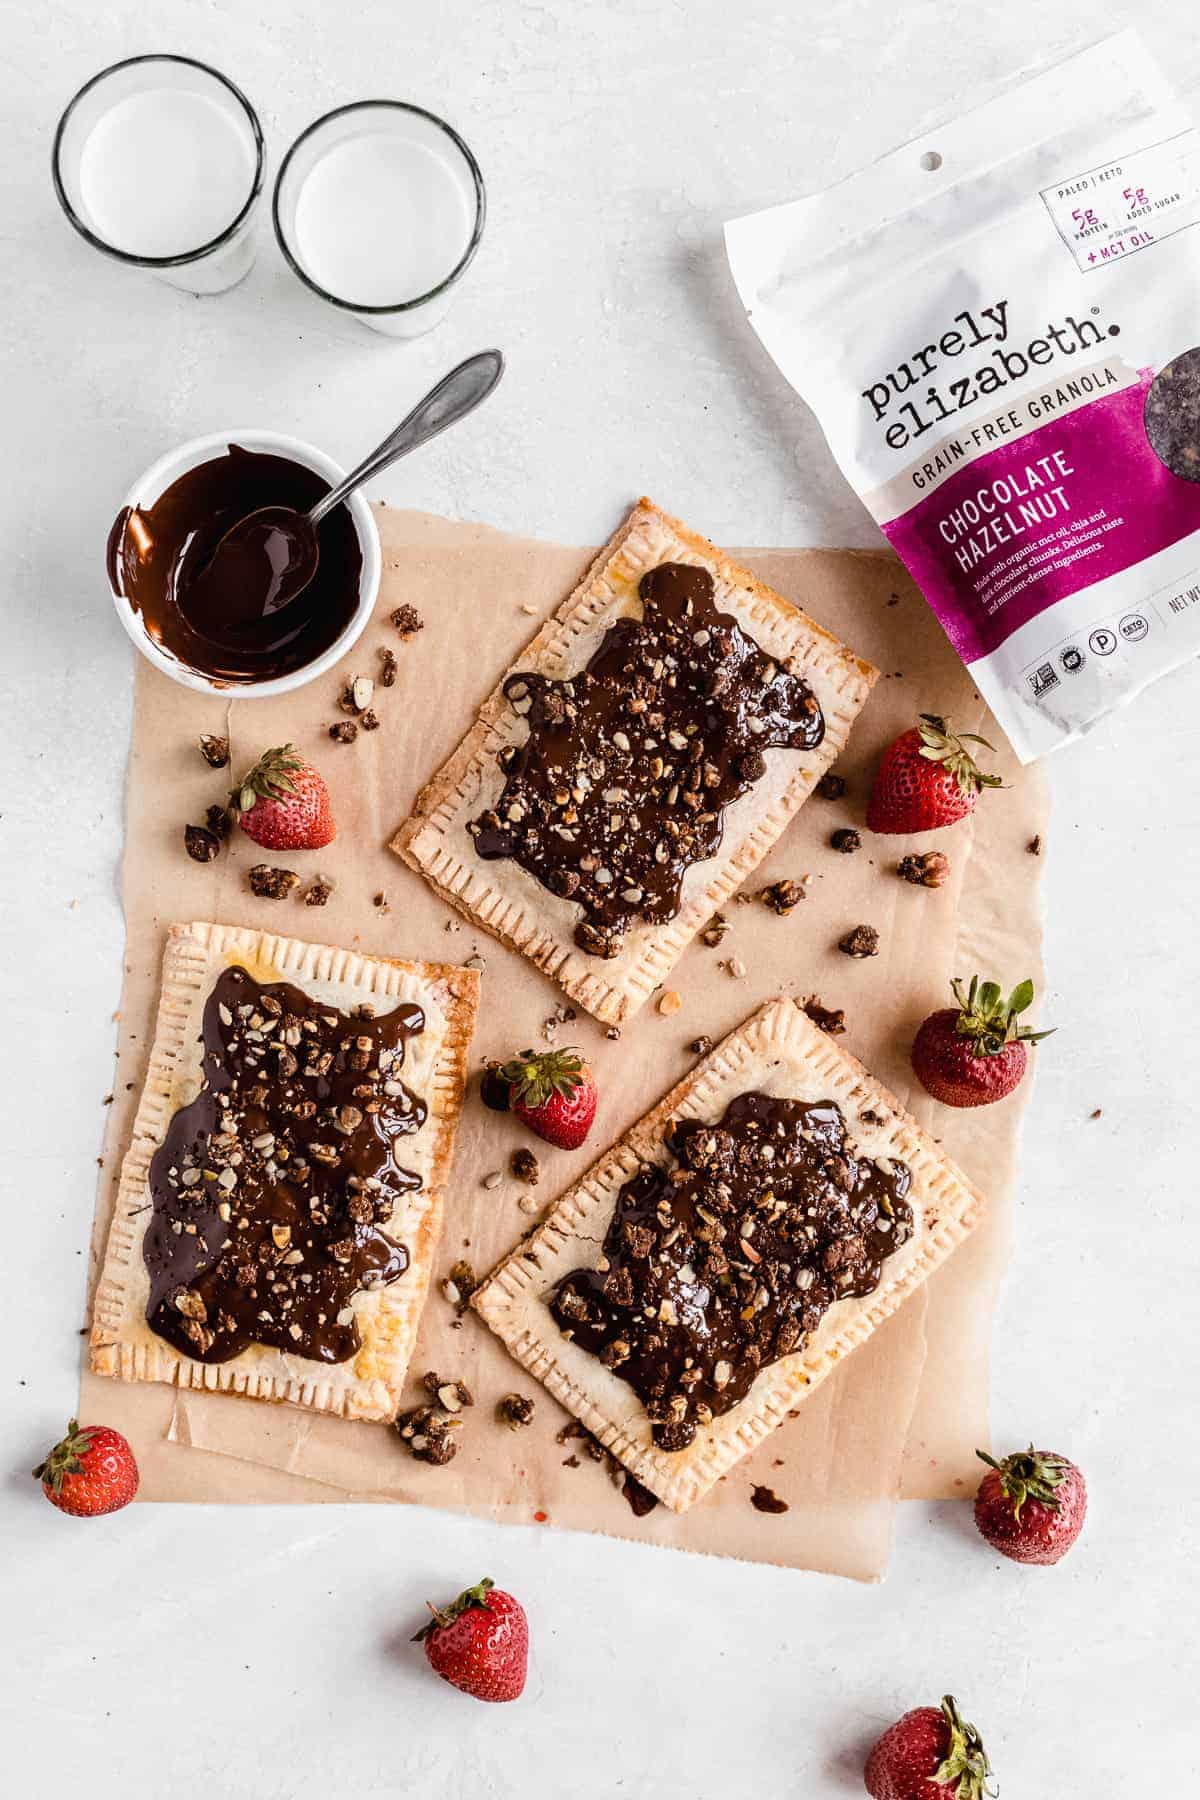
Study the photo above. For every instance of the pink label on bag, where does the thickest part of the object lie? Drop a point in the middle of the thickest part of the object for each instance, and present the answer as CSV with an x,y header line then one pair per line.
x,y
1036,520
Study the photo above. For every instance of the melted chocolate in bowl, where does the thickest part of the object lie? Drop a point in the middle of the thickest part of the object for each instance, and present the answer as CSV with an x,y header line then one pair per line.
x,y
159,556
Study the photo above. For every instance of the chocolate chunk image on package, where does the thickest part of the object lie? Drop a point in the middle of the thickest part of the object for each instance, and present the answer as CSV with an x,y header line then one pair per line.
x,y
1173,415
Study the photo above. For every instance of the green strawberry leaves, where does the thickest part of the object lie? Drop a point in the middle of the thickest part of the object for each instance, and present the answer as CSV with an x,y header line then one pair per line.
x,y
965,1769
948,748
1027,1475
991,1021
534,1079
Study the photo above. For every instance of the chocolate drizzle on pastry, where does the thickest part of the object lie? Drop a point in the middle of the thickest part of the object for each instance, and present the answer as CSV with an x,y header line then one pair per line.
x,y
718,1266
271,1189
623,781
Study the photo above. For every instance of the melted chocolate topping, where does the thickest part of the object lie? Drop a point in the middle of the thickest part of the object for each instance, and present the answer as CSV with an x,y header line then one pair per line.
x,y
155,551
271,1187
721,1265
623,781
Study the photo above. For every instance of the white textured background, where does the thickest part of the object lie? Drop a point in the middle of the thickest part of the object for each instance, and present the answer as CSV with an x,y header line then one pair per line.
x,y
263,1654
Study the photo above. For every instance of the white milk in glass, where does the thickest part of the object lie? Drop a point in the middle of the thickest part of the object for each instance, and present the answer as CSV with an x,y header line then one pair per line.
x,y
163,172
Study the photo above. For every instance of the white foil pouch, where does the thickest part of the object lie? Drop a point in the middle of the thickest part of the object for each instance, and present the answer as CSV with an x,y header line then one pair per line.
x,y
998,328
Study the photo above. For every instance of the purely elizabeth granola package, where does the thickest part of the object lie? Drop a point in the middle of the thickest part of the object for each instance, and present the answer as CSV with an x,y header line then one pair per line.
x,y
998,328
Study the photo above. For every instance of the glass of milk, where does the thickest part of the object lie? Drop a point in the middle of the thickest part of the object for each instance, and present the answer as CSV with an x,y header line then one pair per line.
x,y
159,162
379,208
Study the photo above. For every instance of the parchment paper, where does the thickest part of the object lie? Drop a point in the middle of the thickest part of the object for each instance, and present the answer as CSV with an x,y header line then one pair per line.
x,y
904,1414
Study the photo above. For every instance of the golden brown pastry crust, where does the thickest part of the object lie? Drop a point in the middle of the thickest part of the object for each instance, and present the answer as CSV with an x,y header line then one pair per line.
x,y
777,1051
505,898
368,1386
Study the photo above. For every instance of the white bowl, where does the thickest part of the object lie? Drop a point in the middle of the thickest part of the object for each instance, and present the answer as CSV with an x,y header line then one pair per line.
x,y
147,489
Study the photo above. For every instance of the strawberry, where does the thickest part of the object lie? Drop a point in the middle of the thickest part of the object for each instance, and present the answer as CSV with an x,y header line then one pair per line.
x,y
926,779
479,1643
929,1754
974,1053
1031,1506
283,804
92,1471
554,1094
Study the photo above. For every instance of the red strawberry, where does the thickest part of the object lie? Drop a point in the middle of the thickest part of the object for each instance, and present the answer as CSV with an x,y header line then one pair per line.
x,y
1032,1505
554,1094
974,1053
480,1643
926,779
283,804
929,1754
91,1472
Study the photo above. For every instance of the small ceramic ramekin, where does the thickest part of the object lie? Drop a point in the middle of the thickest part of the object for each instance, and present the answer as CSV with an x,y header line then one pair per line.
x,y
147,489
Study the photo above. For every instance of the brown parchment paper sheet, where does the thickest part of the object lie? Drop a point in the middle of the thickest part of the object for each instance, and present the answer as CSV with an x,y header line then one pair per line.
x,y
903,1415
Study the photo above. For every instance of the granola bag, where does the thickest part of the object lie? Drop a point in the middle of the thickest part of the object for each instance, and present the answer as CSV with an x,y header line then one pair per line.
x,y
998,328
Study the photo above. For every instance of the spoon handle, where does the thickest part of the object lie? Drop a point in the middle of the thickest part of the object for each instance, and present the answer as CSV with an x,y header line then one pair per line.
x,y
455,395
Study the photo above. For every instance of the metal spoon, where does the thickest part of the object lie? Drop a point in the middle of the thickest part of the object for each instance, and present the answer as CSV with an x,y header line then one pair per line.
x,y
265,561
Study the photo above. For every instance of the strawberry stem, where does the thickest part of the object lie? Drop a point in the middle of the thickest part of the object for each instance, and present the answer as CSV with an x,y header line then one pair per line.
x,y
446,1615
966,1762
65,1458
991,1021
948,748
1028,1475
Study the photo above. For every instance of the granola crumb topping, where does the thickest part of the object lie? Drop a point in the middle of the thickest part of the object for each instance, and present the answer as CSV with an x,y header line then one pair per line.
x,y
524,1166
218,821
215,751
344,732
515,1410
388,666
428,1432
847,840
202,845
862,941
270,883
407,621
825,1018
319,891
700,1046
782,897
830,787
928,869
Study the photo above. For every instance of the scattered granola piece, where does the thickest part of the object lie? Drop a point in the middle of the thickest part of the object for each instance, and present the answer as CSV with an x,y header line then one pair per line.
x,y
766,1500
1097,1113
824,1018
782,897
319,891
387,666
830,787
462,1279
369,720
428,1434
381,901
846,840
929,868
700,1046
1034,846
201,844
452,1396
862,941
344,732
613,1033
218,821
669,1002
215,751
523,1165
272,884
407,621
515,1410
715,930
735,968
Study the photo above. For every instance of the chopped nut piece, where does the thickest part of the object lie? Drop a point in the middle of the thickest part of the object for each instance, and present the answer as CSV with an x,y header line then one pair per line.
x,y
190,1304
515,1410
319,892
215,751
846,840
928,869
407,621
735,968
834,1023
344,732
462,1280
862,941
782,896
270,883
523,1165
492,1179
669,1002
201,844
830,787
714,932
